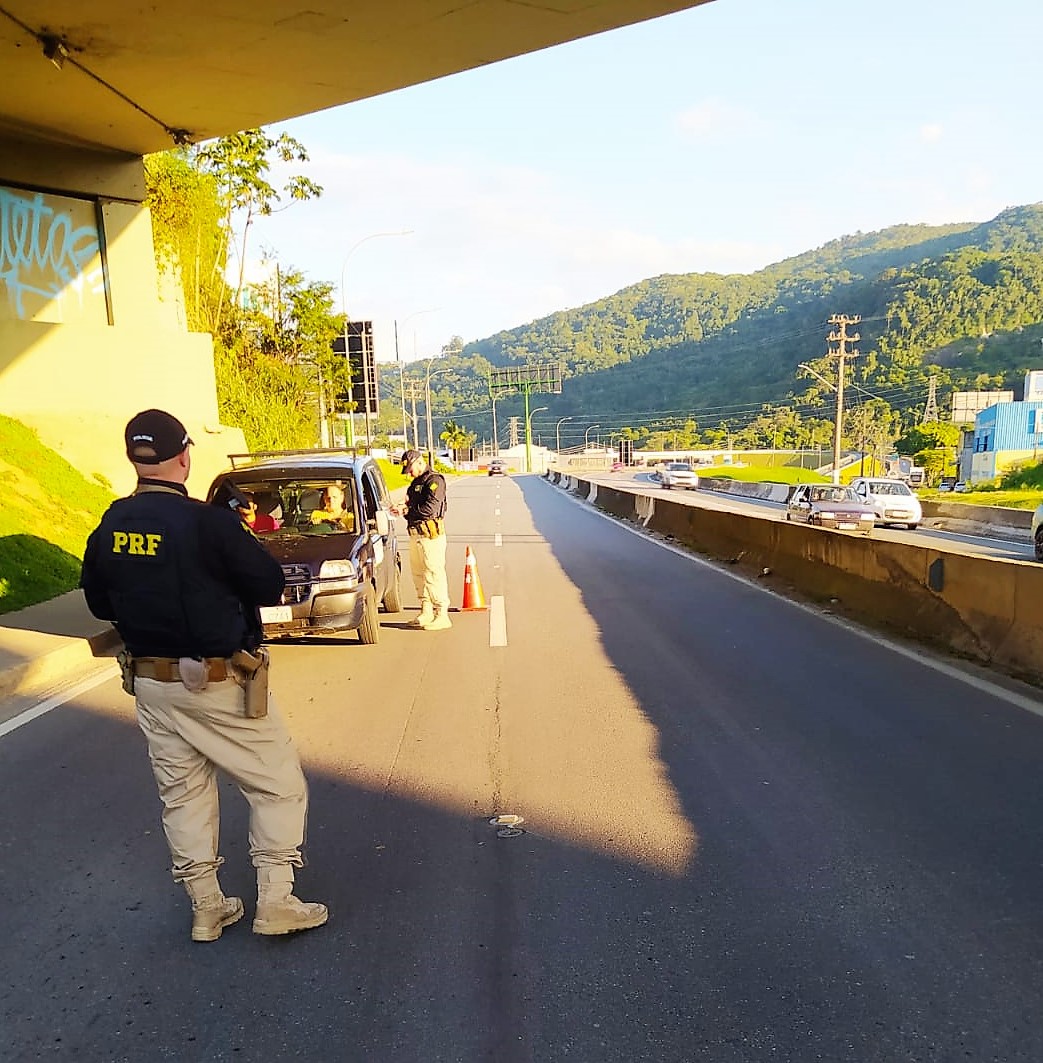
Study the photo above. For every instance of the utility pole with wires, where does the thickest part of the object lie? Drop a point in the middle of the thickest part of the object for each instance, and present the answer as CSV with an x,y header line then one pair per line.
x,y
930,411
840,337
414,387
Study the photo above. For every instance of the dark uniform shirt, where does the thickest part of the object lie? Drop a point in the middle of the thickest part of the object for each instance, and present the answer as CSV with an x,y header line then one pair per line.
x,y
425,498
178,578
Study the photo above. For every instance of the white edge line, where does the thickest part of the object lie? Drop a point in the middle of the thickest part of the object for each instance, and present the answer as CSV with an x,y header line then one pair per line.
x,y
43,707
924,656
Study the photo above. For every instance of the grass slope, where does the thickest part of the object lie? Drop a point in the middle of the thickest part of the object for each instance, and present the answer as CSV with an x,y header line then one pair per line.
x,y
48,511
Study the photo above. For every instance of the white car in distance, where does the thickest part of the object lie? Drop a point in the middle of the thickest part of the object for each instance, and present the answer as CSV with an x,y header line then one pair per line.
x,y
678,474
891,500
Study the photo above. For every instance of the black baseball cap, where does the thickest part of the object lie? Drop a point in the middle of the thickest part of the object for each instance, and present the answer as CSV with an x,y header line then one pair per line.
x,y
155,436
410,456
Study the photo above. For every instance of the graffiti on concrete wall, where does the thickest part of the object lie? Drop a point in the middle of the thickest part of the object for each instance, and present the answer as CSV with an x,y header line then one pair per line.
x,y
50,259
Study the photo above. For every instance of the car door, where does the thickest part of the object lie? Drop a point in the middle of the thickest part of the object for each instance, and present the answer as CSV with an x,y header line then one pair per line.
x,y
865,495
799,506
377,528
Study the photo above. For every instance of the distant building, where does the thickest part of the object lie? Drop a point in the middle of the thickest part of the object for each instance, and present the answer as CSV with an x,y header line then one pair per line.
x,y
1033,386
1005,435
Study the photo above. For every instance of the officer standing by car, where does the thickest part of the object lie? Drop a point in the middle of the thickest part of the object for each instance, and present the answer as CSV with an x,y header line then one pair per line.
x,y
182,582
425,521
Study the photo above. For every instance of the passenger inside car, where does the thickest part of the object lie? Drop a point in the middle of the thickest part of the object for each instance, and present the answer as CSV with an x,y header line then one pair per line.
x,y
261,510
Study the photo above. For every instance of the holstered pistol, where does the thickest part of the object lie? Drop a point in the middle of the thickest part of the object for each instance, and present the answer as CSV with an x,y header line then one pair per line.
x,y
251,671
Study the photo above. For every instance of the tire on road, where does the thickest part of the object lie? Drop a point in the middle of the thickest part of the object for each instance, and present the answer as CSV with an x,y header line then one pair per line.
x,y
393,596
369,629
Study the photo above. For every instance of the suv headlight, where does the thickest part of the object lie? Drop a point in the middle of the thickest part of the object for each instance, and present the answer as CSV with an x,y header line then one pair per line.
x,y
338,575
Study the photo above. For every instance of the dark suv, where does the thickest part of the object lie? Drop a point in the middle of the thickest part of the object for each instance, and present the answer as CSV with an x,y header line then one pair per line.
x,y
324,516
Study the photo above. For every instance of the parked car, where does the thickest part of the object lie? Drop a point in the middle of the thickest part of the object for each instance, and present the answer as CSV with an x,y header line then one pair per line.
x,y
678,474
830,506
340,558
497,467
892,500
1037,532
961,486
617,466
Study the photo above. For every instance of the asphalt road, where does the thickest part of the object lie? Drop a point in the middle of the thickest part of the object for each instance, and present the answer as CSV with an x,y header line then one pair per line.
x,y
751,833
969,544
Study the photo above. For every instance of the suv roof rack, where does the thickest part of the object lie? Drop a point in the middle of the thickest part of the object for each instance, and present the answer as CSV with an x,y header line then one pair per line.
x,y
240,460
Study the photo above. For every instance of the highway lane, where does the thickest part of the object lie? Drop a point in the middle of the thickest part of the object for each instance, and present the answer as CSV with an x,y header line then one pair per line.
x,y
973,545
752,834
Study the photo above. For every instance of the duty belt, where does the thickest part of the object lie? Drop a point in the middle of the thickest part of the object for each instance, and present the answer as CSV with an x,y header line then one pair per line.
x,y
430,528
165,669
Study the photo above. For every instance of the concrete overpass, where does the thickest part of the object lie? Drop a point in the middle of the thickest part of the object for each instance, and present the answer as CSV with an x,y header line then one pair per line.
x,y
85,336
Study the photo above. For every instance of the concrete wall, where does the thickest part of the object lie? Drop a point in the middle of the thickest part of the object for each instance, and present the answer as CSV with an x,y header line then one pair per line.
x,y
989,610
78,378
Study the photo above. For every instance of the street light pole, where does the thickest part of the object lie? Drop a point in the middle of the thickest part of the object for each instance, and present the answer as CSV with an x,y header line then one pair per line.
x,y
832,387
427,401
496,438
586,435
401,375
528,436
557,434
366,375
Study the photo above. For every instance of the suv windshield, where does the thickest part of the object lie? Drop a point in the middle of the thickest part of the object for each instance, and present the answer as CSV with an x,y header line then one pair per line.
x,y
286,507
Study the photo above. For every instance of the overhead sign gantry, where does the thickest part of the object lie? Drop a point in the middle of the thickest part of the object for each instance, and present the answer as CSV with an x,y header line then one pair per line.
x,y
540,377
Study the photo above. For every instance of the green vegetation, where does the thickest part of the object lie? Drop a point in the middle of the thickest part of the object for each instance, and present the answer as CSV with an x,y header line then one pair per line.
x,y
675,362
49,510
779,474
671,362
272,342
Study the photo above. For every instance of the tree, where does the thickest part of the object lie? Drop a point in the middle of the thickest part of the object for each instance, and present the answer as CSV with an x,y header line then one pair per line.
x,y
187,233
929,436
241,163
456,437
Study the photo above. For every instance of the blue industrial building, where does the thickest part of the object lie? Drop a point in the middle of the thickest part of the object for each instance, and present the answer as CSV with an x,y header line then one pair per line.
x,y
1005,435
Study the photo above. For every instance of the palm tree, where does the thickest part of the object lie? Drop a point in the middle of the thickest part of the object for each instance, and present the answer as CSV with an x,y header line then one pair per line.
x,y
457,438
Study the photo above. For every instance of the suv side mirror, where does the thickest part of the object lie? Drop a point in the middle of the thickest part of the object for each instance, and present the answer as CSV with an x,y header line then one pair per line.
x,y
382,522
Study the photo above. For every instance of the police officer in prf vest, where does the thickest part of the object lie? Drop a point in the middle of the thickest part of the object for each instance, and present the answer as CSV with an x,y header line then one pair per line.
x,y
182,582
425,511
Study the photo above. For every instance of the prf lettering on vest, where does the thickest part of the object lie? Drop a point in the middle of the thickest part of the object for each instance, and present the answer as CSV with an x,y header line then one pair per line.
x,y
135,543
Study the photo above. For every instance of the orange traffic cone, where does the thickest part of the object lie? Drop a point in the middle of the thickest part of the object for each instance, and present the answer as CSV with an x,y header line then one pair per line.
x,y
473,596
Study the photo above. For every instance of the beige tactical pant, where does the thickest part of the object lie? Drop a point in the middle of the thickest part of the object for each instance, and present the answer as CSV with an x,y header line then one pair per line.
x,y
427,562
189,737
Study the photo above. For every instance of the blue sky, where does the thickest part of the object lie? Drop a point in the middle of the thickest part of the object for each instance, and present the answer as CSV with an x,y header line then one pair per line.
x,y
720,139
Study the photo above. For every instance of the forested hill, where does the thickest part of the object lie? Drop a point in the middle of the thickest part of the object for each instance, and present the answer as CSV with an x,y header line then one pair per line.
x,y
963,302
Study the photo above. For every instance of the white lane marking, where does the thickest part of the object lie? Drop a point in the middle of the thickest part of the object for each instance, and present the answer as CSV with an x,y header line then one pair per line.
x,y
497,621
497,539
496,512
43,707
921,656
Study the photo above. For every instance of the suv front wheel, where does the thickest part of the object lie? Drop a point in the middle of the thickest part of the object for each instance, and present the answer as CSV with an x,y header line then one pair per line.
x,y
369,629
1038,544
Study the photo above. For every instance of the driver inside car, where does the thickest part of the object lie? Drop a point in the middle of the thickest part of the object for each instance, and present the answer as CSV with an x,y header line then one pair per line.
x,y
333,511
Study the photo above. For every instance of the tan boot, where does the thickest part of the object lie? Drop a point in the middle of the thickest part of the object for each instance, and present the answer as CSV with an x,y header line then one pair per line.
x,y
440,622
278,910
424,617
212,911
